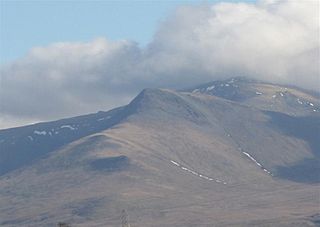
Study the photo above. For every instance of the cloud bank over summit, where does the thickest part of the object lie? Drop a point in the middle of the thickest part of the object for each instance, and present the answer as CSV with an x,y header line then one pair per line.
x,y
275,41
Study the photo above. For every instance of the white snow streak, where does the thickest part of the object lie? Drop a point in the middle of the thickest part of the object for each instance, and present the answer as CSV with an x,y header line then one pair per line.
x,y
68,126
210,88
40,132
30,138
104,118
175,163
249,156
195,173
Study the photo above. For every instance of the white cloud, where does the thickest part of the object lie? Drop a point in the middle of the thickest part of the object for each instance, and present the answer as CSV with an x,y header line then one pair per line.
x,y
276,41
66,78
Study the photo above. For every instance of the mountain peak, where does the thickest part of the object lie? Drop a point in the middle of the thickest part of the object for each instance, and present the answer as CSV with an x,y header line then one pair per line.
x,y
150,97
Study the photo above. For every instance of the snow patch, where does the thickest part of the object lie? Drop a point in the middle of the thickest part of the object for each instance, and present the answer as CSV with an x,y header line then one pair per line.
x,y
227,85
265,170
104,118
274,96
30,138
258,93
68,127
311,104
249,156
43,133
298,100
210,88
195,173
175,163
195,91
281,94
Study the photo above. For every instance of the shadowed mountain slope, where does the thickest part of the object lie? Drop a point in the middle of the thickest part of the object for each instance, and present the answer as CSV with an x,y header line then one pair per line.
x,y
20,146
266,96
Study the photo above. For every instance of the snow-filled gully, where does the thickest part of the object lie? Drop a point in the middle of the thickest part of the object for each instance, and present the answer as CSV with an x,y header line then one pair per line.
x,y
257,163
247,154
196,174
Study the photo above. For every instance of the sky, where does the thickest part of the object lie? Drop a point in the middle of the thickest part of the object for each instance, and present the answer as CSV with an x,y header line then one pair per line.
x,y
26,24
67,58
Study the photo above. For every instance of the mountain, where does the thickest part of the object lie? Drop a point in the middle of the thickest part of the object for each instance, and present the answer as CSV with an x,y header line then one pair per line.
x,y
265,96
242,154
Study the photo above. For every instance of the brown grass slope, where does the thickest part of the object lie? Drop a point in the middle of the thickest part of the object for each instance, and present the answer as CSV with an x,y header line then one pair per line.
x,y
177,159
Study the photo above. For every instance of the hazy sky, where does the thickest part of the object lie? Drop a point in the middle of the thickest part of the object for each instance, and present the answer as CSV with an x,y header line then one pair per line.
x,y
68,58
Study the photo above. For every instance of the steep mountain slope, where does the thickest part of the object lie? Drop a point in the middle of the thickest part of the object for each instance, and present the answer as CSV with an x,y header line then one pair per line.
x,y
170,159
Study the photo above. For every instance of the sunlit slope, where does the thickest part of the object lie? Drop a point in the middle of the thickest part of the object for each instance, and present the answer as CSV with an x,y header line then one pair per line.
x,y
175,159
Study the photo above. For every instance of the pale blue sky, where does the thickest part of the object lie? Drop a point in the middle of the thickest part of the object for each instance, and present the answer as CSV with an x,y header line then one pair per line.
x,y
25,24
